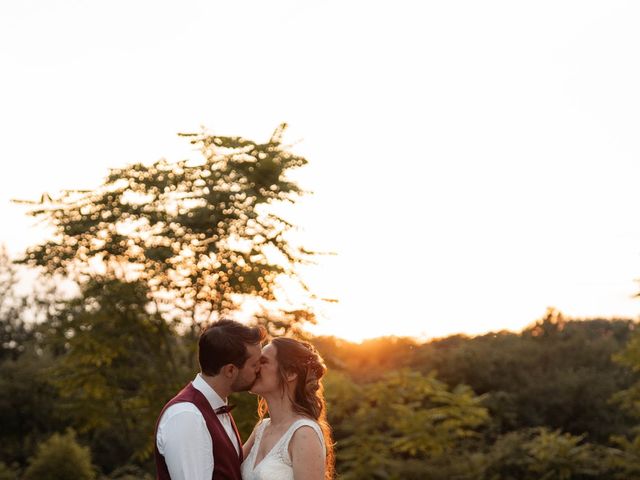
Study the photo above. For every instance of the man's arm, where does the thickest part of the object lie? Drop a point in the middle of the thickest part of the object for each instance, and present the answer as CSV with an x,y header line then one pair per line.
x,y
185,443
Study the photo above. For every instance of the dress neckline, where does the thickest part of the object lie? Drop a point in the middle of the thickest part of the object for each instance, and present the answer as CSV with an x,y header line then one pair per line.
x,y
273,449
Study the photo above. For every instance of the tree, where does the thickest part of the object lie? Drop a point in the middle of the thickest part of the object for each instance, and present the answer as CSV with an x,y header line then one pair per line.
x,y
188,241
8,472
120,364
398,427
61,458
27,401
558,373
540,454
14,333
202,234
629,400
370,360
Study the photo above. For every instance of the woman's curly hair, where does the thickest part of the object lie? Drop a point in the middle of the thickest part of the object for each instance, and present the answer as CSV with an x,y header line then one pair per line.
x,y
301,358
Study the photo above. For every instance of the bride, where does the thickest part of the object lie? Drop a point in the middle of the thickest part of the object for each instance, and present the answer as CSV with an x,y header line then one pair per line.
x,y
294,442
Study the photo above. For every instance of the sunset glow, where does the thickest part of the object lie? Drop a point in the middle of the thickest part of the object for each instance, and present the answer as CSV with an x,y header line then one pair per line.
x,y
472,163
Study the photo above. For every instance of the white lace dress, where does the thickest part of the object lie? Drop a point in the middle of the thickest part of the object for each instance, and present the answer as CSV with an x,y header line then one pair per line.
x,y
276,465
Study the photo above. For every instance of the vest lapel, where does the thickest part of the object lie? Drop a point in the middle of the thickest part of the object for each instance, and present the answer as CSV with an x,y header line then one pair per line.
x,y
204,404
226,435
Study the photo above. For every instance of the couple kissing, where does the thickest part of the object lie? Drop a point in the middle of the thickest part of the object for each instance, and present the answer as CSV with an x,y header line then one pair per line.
x,y
196,437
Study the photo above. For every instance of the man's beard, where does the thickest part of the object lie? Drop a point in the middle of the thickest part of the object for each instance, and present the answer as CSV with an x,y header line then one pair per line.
x,y
238,386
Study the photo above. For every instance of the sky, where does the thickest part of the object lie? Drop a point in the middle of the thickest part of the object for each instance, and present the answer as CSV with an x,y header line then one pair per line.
x,y
472,163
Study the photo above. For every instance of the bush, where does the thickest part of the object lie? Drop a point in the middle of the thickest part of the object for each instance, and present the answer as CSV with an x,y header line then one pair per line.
x,y
8,472
129,472
61,458
541,454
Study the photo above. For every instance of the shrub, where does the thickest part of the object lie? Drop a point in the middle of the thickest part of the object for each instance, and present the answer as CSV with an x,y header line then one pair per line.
x,y
8,472
61,458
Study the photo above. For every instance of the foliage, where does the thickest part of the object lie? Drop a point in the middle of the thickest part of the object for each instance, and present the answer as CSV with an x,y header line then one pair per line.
x,y
369,360
14,332
128,472
120,364
189,242
28,403
200,234
626,460
8,472
114,362
61,458
557,373
629,398
402,418
540,454
29,406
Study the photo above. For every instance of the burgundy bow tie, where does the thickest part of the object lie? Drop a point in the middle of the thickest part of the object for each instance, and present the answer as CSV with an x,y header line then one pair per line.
x,y
224,409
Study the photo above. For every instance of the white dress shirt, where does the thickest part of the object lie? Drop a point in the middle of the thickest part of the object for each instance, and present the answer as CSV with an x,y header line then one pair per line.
x,y
184,440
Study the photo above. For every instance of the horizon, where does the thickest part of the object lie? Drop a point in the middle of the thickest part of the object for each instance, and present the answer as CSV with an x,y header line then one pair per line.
x,y
423,341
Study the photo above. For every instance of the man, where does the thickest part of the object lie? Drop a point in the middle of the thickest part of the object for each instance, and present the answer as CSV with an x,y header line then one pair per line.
x,y
196,437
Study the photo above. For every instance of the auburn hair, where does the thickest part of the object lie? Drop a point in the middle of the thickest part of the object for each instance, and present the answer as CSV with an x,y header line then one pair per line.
x,y
302,359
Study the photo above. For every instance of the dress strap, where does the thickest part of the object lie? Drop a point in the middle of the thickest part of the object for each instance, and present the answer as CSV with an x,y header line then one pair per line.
x,y
261,426
283,451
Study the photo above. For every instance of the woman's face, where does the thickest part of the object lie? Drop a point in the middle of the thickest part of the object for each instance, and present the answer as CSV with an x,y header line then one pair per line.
x,y
268,379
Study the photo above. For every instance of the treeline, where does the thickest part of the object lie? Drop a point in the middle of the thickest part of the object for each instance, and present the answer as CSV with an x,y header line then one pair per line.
x,y
558,400
80,392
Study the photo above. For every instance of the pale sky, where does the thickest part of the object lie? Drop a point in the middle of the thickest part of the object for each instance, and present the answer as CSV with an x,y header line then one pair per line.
x,y
473,162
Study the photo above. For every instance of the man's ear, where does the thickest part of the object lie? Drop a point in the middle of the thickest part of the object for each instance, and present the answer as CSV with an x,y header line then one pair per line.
x,y
229,370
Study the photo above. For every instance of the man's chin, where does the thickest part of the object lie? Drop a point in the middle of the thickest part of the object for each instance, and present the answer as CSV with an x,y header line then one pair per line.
x,y
244,388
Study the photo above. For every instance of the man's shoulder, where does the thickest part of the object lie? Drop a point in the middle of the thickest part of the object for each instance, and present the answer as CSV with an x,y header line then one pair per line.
x,y
180,408
180,425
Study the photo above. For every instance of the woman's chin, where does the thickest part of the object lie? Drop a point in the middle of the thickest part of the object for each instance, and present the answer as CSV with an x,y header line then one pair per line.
x,y
255,390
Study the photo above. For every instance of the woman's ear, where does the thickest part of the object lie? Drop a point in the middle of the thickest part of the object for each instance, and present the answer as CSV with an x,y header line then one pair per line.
x,y
291,376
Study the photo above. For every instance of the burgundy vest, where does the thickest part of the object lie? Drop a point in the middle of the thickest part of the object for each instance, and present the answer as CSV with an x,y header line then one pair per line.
x,y
226,465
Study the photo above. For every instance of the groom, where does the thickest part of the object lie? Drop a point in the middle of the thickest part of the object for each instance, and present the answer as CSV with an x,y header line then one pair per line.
x,y
196,437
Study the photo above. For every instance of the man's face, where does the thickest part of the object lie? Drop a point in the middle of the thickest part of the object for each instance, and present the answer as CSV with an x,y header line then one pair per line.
x,y
247,374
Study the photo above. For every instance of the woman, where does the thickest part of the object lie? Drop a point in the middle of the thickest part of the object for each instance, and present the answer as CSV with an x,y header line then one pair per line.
x,y
295,441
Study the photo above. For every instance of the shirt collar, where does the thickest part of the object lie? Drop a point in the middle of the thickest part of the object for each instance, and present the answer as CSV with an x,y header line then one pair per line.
x,y
210,394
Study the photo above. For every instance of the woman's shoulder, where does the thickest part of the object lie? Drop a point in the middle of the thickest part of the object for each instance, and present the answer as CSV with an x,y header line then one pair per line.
x,y
301,421
299,432
302,430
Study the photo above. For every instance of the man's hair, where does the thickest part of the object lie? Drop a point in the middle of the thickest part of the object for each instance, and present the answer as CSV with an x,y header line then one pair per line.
x,y
225,342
